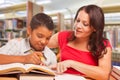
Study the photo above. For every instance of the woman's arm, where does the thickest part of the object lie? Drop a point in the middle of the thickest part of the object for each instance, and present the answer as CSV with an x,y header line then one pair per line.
x,y
100,72
53,42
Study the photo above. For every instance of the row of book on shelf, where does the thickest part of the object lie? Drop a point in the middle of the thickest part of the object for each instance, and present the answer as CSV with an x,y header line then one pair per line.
x,y
12,23
10,34
11,28
112,33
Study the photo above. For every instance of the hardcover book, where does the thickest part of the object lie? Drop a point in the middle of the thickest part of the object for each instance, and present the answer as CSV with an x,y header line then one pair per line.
x,y
24,68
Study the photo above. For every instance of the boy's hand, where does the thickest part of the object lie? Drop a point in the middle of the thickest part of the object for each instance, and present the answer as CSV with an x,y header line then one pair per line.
x,y
33,58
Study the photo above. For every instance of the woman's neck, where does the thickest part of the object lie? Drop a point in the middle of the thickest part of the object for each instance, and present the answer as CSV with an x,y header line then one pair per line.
x,y
81,41
80,44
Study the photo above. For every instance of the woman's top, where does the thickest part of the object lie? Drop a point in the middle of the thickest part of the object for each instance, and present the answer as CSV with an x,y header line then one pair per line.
x,y
70,53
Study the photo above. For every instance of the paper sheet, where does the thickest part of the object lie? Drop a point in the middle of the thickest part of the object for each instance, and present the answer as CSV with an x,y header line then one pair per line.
x,y
69,77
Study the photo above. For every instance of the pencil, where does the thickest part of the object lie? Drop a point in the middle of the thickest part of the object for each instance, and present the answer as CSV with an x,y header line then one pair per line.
x,y
43,58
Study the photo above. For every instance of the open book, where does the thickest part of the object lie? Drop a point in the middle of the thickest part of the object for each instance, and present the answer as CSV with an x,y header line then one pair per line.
x,y
24,68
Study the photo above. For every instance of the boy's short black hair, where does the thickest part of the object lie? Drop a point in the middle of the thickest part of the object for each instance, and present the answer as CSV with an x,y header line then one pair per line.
x,y
41,19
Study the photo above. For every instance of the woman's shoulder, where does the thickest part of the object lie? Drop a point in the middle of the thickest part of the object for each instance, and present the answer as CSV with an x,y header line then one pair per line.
x,y
65,33
107,43
63,37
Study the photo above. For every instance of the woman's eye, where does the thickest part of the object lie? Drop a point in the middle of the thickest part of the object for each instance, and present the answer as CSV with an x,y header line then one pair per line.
x,y
86,24
78,20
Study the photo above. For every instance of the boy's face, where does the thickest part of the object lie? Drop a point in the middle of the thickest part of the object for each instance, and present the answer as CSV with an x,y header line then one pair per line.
x,y
39,37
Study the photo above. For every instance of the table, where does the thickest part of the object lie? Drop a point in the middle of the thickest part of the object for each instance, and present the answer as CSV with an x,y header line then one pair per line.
x,y
8,78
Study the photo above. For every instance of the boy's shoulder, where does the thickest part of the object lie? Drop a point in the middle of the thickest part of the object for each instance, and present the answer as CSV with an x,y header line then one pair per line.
x,y
19,39
16,40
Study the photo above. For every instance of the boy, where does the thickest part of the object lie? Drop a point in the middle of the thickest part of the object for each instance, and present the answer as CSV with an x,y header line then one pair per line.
x,y
30,49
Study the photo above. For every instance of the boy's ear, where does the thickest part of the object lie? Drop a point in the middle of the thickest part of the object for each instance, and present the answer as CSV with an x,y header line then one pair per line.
x,y
28,31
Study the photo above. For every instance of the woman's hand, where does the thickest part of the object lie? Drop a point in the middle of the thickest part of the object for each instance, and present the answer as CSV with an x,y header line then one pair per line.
x,y
33,58
61,66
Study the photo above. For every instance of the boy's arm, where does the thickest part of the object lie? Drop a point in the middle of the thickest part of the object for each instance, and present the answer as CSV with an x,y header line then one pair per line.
x,y
10,53
5,59
32,58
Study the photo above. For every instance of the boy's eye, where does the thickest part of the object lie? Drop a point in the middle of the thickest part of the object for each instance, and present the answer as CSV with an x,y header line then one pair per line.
x,y
48,38
40,36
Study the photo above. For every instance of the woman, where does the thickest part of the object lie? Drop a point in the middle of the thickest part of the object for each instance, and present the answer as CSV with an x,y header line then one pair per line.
x,y
84,51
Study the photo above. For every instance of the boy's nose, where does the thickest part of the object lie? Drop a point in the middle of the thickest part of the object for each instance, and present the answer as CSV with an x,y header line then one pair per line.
x,y
43,41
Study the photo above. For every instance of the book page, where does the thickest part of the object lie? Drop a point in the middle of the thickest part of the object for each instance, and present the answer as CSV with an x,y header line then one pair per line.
x,y
12,67
38,69
69,77
118,67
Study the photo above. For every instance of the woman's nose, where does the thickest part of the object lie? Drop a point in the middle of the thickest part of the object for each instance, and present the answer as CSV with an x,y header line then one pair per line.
x,y
79,25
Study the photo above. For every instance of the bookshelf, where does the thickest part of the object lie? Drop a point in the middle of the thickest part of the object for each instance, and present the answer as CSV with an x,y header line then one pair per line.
x,y
112,32
61,23
69,23
58,19
111,9
13,25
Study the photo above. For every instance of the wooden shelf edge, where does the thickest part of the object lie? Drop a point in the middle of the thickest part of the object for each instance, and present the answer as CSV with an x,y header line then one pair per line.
x,y
19,7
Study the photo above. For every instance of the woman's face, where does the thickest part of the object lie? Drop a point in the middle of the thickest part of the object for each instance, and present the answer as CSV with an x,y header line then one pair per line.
x,y
39,37
82,28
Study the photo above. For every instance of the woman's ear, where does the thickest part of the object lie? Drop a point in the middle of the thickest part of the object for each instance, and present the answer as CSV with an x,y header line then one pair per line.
x,y
94,30
29,31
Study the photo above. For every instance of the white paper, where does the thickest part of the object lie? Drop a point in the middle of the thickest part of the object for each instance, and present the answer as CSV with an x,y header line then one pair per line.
x,y
69,77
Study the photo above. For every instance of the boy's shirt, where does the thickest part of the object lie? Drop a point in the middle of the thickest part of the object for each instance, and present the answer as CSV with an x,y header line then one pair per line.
x,y
22,47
